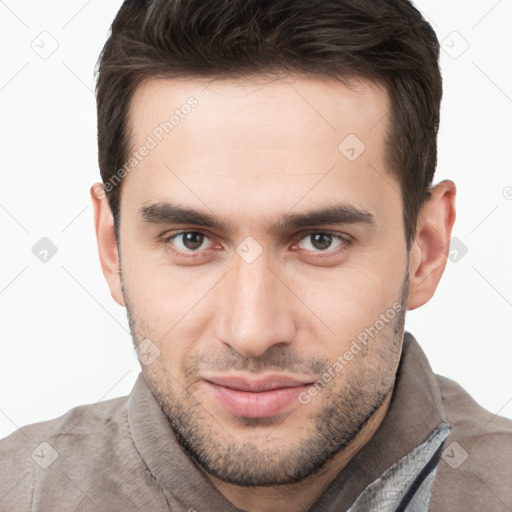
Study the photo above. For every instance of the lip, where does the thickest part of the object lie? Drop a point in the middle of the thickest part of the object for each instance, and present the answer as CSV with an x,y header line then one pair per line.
x,y
256,398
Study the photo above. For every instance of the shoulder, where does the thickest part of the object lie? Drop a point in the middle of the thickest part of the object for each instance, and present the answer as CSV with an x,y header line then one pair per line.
x,y
79,421
36,456
475,472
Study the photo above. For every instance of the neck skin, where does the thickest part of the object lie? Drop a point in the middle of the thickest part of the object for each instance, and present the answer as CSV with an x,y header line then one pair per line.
x,y
299,497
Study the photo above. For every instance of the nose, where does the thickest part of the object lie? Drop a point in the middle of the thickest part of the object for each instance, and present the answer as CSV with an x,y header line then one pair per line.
x,y
256,311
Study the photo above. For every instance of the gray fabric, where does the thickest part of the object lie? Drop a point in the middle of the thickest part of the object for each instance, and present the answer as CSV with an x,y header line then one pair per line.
x,y
421,499
120,455
388,491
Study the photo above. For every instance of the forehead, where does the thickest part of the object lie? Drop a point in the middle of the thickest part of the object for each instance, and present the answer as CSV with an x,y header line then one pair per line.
x,y
251,143
259,106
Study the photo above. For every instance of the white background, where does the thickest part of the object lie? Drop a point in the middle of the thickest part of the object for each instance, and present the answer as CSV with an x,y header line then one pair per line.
x,y
65,342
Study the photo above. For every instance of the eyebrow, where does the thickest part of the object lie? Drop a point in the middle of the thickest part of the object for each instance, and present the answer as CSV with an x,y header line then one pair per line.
x,y
169,213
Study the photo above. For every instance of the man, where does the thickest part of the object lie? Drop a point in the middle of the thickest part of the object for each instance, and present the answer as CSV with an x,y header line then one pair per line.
x,y
267,216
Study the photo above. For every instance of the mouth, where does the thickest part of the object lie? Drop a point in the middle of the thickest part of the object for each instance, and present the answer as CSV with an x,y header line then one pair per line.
x,y
256,398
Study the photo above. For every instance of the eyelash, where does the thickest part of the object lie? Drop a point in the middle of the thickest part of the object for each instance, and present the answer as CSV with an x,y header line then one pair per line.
x,y
345,243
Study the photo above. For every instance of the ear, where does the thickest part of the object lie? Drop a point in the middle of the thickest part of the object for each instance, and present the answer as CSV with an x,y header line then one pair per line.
x,y
107,245
429,251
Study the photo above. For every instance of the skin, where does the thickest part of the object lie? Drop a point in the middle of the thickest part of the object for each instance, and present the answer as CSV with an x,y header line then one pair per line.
x,y
251,152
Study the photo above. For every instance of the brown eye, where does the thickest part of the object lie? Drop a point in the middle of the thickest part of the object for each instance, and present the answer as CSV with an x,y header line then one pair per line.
x,y
188,240
319,242
193,240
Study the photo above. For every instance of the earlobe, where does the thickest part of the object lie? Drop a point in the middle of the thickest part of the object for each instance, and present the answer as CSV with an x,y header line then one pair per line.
x,y
106,239
429,251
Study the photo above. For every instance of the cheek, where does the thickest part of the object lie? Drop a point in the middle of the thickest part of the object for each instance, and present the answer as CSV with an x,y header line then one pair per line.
x,y
348,298
163,292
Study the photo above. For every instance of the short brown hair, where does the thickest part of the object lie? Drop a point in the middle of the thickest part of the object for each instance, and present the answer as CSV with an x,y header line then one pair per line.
x,y
385,41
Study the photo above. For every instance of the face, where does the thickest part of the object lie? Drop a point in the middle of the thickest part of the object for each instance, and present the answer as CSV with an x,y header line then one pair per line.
x,y
264,267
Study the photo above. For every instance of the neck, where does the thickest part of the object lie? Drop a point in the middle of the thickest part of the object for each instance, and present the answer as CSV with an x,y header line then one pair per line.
x,y
300,496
